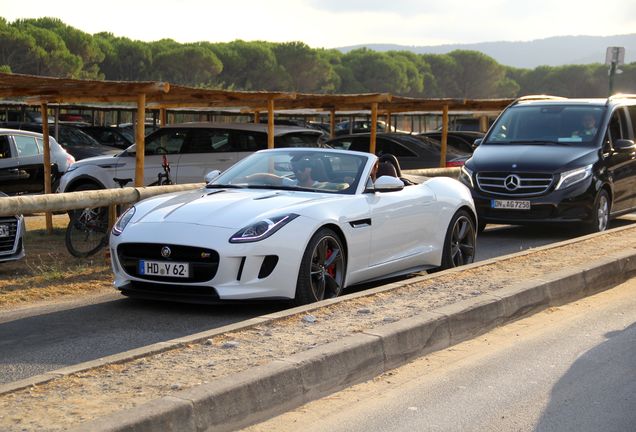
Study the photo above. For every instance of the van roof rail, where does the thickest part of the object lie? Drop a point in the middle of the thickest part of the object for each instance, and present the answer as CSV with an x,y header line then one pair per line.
x,y
621,96
536,97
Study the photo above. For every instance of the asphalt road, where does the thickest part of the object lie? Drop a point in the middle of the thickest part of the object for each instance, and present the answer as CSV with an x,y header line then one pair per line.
x,y
45,338
567,369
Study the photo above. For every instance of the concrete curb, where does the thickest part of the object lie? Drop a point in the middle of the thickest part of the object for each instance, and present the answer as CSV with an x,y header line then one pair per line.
x,y
262,392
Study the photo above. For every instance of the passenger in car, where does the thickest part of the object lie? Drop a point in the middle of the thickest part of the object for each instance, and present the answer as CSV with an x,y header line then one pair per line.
x,y
589,126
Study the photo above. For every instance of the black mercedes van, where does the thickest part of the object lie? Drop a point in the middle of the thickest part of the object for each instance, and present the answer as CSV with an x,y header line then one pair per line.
x,y
549,159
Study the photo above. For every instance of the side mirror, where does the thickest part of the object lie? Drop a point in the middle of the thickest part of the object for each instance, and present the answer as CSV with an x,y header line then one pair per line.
x,y
477,142
624,146
211,176
388,184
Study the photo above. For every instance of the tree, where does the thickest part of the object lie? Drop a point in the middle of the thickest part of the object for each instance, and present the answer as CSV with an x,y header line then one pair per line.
x,y
248,66
190,65
375,72
305,70
124,59
479,76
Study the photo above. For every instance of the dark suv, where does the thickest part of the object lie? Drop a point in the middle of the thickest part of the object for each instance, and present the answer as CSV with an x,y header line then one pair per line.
x,y
549,159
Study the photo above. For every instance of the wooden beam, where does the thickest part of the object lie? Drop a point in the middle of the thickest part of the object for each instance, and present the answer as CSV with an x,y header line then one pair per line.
x,y
332,123
374,127
140,142
47,162
270,123
442,156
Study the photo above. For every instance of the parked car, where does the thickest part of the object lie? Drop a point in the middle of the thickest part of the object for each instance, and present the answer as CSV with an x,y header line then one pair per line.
x,y
112,136
541,162
263,230
71,138
461,140
360,126
412,152
12,230
22,162
192,149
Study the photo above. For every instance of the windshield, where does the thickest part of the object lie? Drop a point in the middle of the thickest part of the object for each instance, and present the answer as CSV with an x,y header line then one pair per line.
x,y
320,171
547,124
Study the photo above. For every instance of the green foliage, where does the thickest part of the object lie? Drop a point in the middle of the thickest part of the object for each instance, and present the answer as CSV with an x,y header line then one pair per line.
x,y
47,46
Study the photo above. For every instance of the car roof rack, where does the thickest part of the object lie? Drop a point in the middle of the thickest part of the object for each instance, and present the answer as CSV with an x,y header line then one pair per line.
x,y
620,96
536,97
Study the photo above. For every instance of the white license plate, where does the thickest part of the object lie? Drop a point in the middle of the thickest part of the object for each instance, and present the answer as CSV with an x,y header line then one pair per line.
x,y
162,268
5,231
510,204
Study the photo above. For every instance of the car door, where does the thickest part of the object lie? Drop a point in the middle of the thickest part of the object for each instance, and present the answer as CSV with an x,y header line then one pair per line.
x,y
30,163
205,150
402,223
11,178
168,141
620,165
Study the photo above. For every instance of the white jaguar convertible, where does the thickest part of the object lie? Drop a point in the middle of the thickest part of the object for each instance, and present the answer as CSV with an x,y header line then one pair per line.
x,y
299,224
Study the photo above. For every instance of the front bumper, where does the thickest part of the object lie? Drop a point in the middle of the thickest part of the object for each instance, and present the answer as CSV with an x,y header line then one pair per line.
x,y
571,205
261,270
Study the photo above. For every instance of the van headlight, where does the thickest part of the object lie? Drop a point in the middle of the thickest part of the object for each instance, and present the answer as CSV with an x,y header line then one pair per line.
x,y
569,178
466,176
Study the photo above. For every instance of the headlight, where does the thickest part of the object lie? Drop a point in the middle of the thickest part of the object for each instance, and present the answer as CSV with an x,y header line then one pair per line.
x,y
262,229
568,178
123,220
466,177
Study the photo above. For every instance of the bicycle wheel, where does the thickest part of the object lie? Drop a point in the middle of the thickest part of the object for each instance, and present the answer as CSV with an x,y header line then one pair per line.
x,y
87,232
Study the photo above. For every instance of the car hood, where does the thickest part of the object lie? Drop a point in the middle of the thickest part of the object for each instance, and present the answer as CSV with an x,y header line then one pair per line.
x,y
103,160
551,158
225,208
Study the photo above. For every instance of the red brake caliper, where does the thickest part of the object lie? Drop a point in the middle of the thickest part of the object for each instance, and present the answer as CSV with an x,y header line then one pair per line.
x,y
332,268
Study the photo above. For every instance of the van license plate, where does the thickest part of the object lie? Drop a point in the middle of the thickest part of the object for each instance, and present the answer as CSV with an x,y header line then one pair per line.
x,y
510,204
162,268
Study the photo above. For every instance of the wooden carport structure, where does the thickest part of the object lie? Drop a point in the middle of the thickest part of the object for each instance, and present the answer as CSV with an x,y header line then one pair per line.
x,y
43,91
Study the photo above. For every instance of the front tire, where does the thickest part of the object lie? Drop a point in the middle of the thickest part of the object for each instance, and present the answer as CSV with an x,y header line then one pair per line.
x,y
322,268
600,217
460,241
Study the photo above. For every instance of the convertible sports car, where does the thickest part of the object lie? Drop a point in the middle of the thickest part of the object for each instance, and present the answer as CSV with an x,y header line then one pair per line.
x,y
293,223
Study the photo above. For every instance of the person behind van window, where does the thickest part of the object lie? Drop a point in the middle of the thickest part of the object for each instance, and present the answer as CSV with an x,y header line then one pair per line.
x,y
588,123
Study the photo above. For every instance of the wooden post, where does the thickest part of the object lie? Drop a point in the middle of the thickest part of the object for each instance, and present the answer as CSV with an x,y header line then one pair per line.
x,y
483,123
332,123
442,156
140,140
47,162
163,117
374,127
270,123
257,117
389,122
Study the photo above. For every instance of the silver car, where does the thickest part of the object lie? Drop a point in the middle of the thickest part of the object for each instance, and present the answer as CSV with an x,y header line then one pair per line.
x,y
22,162
11,236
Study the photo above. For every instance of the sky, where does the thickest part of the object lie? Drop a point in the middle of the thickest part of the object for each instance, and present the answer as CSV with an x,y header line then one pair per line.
x,y
337,23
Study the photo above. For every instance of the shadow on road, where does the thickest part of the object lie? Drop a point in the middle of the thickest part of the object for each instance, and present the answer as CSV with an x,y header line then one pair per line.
x,y
598,393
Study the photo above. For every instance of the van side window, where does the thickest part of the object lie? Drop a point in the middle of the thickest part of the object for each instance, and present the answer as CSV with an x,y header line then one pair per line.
x,y
26,146
618,125
632,114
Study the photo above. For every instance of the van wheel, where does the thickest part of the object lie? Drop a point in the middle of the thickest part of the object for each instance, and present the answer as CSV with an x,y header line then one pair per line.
x,y
600,216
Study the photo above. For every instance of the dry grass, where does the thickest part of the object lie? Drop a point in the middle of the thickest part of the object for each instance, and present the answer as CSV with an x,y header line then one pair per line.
x,y
48,271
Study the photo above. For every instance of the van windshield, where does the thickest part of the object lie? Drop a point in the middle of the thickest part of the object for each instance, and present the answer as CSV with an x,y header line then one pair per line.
x,y
547,124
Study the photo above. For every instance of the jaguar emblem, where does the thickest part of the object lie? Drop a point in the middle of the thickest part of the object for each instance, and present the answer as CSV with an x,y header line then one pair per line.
x,y
166,252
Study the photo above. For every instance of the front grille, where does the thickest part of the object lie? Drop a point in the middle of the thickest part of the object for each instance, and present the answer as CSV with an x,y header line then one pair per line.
x,y
514,184
7,242
172,292
203,262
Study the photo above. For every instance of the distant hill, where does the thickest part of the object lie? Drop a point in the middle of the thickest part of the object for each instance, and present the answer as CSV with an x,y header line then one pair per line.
x,y
553,51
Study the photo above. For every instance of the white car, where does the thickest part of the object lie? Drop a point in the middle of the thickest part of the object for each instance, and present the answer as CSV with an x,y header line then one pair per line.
x,y
192,150
300,224
12,229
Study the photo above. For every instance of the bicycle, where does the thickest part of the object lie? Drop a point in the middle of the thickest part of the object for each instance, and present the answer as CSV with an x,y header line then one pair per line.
x,y
88,229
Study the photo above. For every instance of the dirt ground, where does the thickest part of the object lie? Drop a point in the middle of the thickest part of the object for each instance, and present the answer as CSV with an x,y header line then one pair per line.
x,y
68,401
48,271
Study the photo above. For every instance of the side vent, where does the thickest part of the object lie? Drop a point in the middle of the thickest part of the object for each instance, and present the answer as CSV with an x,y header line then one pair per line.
x,y
269,263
